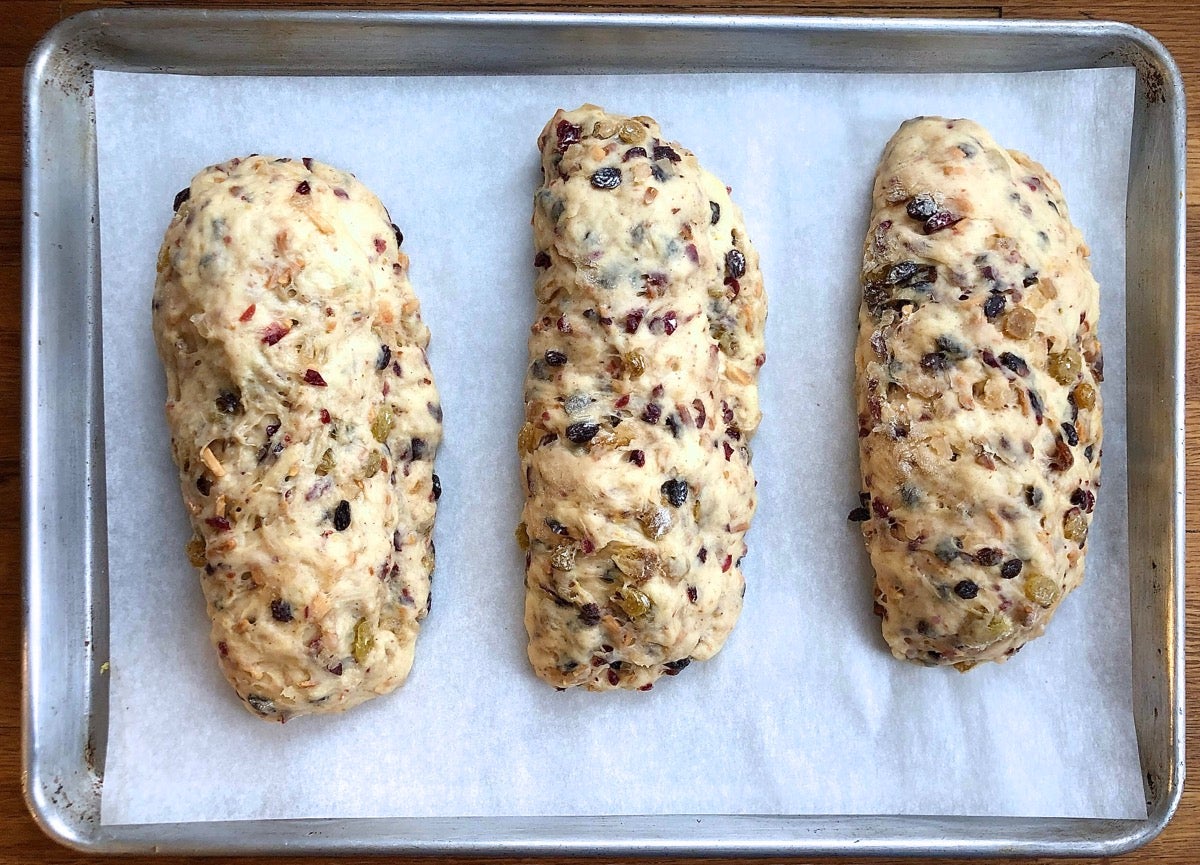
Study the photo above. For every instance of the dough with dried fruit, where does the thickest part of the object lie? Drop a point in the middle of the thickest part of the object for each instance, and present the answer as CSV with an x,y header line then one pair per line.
x,y
640,401
304,422
979,409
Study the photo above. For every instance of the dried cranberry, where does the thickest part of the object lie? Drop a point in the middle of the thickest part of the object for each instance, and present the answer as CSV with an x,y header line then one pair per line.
x,y
608,177
274,332
341,516
613,678
728,450
555,358
1011,568
247,314
1083,499
583,431
921,207
335,669
638,458
325,418
701,414
384,358
726,564
281,611
219,523
1015,363
634,320
941,219
634,153
437,487
380,245
542,259
669,322
859,515
182,196
716,212
568,133
652,412
966,590
311,376
1070,433
692,593
662,151
302,188
675,491
590,614
735,264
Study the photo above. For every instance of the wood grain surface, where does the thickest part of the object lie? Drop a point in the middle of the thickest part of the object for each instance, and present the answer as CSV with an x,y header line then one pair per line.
x,y
1175,22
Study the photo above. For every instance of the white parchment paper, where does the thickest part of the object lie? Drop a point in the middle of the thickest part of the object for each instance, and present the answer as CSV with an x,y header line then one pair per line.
x,y
804,711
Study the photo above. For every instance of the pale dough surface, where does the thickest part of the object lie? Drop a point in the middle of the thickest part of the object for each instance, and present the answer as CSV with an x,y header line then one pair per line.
x,y
640,400
304,421
979,372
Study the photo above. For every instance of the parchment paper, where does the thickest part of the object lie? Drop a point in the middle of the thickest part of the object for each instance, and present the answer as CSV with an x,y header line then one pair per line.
x,y
804,711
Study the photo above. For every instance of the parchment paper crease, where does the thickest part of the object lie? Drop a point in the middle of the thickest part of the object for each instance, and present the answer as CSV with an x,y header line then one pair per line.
x,y
804,711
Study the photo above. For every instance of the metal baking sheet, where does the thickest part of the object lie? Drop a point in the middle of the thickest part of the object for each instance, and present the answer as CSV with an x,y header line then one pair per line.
x,y
66,694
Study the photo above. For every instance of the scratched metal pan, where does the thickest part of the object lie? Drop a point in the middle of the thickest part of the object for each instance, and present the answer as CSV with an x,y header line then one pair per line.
x,y
65,710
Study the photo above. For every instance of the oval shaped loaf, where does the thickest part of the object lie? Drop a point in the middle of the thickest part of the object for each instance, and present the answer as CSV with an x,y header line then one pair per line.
x,y
639,403
978,395
304,422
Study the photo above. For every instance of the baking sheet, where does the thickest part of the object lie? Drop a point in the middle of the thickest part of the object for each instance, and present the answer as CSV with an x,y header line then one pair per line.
x,y
804,711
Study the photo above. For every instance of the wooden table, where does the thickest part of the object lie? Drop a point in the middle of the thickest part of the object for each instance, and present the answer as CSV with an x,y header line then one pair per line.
x,y
1175,22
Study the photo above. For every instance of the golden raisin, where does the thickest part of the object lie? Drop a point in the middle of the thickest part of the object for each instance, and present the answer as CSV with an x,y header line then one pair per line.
x,y
631,132
1020,323
1075,526
381,427
373,463
1040,589
527,439
633,601
604,129
635,364
364,641
522,535
195,552
1085,395
563,557
1065,366
325,466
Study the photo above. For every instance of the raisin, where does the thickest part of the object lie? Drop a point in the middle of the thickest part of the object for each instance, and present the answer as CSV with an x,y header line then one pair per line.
x,y
662,151
935,361
542,259
399,234
311,376
302,188
204,484
859,515
1070,433
994,306
735,264
583,432
989,556
676,492
1011,568
716,212
651,413
341,516
1015,363
638,458
672,668
418,448
384,359
281,611
634,153
1033,497
1062,458
555,358
608,177
1083,499
182,196
229,402
437,488
590,614
966,590
921,207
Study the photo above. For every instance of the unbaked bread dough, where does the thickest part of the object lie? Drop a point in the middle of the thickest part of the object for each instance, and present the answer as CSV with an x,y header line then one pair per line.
x,y
979,409
304,422
639,403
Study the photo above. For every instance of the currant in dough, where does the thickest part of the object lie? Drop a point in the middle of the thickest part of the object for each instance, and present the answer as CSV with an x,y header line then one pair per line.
x,y
640,400
979,408
304,422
